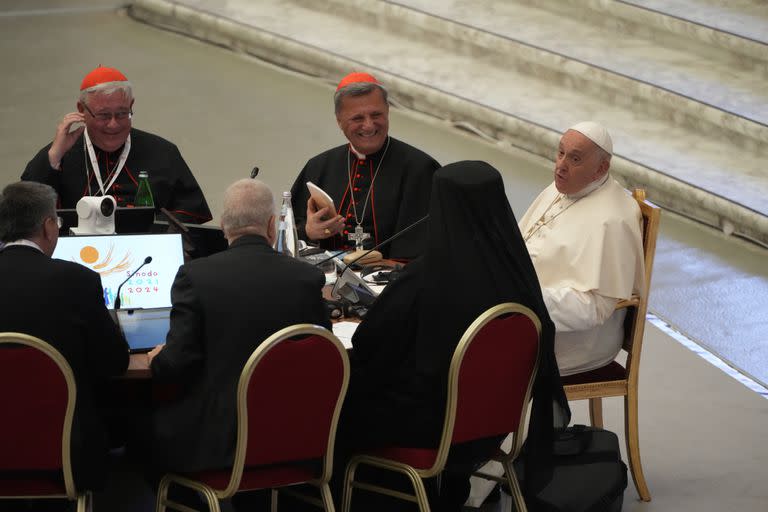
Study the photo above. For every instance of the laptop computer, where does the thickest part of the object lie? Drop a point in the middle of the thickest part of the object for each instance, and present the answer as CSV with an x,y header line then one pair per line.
x,y
115,257
144,328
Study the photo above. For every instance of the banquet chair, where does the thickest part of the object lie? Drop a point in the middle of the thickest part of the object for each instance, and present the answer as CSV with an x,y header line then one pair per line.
x,y
37,400
615,379
489,385
289,397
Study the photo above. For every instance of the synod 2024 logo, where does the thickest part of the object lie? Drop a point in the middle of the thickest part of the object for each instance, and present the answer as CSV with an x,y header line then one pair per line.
x,y
113,269
106,265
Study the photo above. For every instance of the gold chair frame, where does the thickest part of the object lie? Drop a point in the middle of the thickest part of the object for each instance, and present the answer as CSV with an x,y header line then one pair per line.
x,y
211,495
637,307
83,499
416,475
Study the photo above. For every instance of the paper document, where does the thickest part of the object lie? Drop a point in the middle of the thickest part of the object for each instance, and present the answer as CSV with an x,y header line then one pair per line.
x,y
344,331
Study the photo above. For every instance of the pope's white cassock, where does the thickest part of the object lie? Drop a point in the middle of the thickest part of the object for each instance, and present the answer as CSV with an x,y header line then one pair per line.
x,y
588,254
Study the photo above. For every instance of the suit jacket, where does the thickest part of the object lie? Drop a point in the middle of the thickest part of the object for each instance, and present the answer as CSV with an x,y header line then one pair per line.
x,y
62,303
224,306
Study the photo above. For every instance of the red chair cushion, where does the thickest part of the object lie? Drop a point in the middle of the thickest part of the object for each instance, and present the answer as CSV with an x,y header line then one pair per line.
x,y
31,483
298,383
33,400
494,377
613,371
418,458
262,477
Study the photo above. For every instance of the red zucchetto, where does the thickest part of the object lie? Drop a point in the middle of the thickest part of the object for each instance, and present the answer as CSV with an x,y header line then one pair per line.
x,y
102,75
357,78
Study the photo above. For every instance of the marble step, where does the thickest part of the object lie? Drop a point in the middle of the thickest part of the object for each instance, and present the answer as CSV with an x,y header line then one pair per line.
x,y
704,89
739,25
491,93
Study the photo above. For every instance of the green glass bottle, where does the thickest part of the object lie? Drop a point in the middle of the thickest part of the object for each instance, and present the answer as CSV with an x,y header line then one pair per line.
x,y
144,191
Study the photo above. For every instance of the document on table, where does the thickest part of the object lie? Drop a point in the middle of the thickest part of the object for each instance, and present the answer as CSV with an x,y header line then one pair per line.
x,y
344,331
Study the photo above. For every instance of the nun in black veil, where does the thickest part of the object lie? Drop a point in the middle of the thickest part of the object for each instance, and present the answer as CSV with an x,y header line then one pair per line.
x,y
475,258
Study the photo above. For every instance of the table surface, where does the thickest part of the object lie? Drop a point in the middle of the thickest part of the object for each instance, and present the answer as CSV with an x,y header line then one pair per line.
x,y
138,366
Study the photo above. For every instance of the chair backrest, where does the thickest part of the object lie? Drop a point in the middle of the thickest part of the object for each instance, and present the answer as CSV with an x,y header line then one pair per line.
x,y
635,321
289,399
37,400
491,376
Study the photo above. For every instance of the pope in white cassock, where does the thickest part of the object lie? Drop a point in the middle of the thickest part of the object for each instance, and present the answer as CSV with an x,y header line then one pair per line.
x,y
583,233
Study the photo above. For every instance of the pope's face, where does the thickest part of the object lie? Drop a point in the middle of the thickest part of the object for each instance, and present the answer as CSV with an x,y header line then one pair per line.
x,y
110,134
365,121
578,163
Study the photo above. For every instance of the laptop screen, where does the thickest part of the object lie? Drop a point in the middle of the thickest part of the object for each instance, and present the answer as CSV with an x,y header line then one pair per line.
x,y
114,257
144,328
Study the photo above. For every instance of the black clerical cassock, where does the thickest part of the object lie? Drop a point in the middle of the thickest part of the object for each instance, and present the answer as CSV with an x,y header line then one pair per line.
x,y
384,192
173,185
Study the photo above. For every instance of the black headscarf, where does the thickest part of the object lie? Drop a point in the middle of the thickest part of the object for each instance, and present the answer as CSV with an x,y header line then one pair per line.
x,y
475,258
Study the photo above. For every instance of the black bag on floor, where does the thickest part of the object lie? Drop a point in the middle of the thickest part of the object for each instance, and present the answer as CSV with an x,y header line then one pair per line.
x,y
588,473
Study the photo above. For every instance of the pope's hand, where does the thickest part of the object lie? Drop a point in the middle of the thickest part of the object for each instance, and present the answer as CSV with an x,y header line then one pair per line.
x,y
316,227
65,137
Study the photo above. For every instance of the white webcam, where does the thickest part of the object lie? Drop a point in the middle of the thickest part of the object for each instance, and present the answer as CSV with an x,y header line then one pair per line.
x,y
95,216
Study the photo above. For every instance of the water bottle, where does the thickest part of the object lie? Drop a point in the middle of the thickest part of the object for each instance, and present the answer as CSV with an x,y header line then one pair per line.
x,y
144,191
287,237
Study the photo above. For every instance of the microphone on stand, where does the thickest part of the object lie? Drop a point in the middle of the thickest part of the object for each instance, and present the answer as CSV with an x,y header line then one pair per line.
x,y
254,172
147,260
349,285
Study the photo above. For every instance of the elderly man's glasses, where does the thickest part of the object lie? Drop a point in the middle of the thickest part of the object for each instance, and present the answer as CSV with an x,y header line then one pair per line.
x,y
105,117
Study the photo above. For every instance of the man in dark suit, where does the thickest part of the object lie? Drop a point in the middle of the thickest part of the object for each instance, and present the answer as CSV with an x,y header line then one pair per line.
x,y
224,306
61,303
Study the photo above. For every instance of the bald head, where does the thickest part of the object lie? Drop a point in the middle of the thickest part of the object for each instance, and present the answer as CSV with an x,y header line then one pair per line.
x,y
249,209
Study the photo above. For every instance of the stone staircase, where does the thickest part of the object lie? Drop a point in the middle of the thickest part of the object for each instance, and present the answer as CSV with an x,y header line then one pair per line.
x,y
683,92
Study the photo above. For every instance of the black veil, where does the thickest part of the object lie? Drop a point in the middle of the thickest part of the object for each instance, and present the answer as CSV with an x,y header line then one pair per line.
x,y
475,259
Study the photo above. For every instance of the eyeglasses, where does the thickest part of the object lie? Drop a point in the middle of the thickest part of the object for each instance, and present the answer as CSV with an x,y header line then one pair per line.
x,y
105,117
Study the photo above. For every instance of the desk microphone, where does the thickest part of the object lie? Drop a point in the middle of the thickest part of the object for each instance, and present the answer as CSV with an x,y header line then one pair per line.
x,y
148,259
354,289
377,246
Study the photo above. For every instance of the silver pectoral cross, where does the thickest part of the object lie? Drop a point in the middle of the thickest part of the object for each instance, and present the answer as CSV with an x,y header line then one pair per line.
x,y
358,236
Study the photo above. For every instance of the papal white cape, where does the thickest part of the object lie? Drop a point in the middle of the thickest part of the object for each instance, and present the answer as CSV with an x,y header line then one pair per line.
x,y
588,254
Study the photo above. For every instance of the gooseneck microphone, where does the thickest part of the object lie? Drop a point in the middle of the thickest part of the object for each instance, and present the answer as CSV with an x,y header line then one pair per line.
x,y
377,246
354,289
147,260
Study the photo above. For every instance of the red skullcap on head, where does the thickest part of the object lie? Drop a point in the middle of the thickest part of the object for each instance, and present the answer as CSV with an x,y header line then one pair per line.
x,y
102,75
357,78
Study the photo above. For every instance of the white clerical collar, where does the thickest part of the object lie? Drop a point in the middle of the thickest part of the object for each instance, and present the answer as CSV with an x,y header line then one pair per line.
x,y
588,189
24,242
358,154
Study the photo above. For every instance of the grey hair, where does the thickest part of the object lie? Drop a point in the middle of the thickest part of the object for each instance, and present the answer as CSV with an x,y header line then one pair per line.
x,y
357,89
248,206
24,206
107,89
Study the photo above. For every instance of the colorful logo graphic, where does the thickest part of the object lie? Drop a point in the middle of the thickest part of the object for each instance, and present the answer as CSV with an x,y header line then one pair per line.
x,y
89,256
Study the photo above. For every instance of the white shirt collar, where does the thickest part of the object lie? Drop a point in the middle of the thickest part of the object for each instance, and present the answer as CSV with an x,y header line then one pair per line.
x,y
588,189
25,242
358,154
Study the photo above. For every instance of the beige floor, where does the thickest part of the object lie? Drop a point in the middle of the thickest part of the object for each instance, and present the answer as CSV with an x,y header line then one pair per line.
x,y
702,433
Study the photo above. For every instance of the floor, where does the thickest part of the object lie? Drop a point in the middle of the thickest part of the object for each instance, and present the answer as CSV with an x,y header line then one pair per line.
x,y
701,430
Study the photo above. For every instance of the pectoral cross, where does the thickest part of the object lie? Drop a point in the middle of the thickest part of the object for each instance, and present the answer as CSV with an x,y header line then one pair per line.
x,y
358,236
